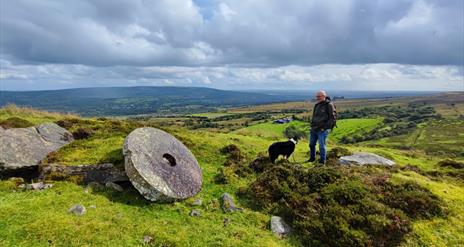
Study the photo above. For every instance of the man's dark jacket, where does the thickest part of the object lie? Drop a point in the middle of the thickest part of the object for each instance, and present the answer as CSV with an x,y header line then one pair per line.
x,y
323,115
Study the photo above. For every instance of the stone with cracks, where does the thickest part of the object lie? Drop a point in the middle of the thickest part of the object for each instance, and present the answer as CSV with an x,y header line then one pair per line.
x,y
362,158
26,147
159,166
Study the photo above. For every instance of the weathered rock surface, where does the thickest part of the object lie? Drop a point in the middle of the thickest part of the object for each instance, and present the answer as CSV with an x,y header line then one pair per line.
x,y
26,147
362,158
114,186
77,209
228,204
279,227
101,173
159,166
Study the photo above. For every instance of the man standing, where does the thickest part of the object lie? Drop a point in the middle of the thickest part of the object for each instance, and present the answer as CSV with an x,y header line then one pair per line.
x,y
322,122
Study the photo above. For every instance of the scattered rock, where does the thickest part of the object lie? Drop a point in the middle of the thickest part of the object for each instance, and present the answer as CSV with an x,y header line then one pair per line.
x,y
92,207
228,204
39,186
195,212
226,221
77,209
26,147
17,180
362,158
114,186
279,227
197,202
159,166
147,239
35,186
85,174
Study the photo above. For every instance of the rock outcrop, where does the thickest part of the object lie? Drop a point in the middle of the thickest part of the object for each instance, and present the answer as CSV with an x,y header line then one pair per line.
x,y
159,166
26,147
101,173
362,158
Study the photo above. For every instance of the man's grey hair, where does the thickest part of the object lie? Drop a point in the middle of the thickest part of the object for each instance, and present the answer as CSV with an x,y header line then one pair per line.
x,y
322,92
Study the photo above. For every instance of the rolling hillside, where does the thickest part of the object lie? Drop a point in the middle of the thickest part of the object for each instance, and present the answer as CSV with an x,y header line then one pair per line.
x,y
124,218
136,100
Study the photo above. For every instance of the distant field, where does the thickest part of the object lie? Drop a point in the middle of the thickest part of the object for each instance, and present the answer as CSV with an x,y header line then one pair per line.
x,y
211,114
444,137
449,104
347,127
273,107
269,130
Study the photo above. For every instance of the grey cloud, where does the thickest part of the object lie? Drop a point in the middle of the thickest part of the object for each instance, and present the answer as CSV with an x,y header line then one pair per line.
x,y
235,33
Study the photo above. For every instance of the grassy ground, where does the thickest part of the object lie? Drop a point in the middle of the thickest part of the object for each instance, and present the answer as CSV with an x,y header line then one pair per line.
x,y
40,218
349,127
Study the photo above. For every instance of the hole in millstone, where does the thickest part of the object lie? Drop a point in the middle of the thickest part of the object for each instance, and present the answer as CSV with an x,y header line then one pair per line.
x,y
170,159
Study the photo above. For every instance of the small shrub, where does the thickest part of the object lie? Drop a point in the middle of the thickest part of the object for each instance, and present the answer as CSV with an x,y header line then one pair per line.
x,y
294,132
15,122
260,164
338,152
414,200
233,165
82,133
225,175
451,163
67,123
232,151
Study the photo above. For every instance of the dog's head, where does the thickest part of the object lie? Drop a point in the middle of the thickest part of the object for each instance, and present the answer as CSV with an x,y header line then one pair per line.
x,y
294,140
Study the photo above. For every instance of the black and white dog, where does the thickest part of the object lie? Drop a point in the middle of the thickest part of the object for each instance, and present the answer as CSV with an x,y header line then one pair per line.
x,y
282,148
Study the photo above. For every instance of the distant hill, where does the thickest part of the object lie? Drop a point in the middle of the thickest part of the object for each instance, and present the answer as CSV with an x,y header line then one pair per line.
x,y
137,100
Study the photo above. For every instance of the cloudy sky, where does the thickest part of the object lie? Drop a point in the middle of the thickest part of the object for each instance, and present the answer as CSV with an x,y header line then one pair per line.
x,y
230,44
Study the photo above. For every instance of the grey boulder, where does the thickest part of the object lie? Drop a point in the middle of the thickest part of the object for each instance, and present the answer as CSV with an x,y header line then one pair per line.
x,y
279,227
362,158
26,147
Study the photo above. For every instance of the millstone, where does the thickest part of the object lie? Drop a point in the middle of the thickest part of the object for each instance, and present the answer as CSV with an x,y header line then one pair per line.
x,y
159,166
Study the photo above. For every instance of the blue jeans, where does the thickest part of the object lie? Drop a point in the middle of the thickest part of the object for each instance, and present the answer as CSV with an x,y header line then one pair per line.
x,y
314,137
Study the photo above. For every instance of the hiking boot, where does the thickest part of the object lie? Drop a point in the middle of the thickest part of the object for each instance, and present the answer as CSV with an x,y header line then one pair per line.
x,y
311,160
321,162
